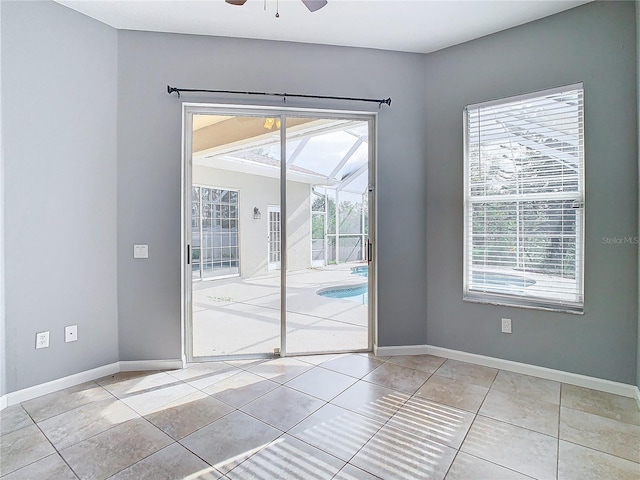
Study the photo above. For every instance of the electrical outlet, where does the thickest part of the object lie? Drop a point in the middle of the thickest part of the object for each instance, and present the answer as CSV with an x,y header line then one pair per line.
x,y
42,339
506,325
71,333
141,251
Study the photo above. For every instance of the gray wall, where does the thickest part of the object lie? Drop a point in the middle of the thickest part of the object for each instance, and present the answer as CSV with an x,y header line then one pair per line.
x,y
149,132
638,117
59,131
595,44
3,359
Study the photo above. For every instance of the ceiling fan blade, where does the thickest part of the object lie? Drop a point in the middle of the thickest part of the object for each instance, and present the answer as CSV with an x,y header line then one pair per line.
x,y
236,2
313,5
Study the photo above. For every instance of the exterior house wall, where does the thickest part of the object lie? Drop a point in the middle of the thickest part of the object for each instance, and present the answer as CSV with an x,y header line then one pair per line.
x,y
259,191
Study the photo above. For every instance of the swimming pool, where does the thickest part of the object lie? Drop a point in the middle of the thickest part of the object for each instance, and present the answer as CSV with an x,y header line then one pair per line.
x,y
500,280
356,293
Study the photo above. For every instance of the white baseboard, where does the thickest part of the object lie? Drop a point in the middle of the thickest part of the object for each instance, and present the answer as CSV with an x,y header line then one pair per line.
x,y
140,365
25,394
524,368
403,350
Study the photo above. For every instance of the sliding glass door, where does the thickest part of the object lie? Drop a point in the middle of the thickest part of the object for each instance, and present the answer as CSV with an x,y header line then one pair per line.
x,y
277,225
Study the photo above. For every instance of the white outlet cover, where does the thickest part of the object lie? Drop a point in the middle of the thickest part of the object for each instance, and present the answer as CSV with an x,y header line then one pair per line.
x,y
506,325
141,251
42,339
71,333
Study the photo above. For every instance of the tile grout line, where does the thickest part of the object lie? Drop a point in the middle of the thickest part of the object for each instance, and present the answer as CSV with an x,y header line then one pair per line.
x,y
478,414
604,453
309,415
384,424
492,463
588,447
312,366
65,411
56,450
140,416
475,416
177,441
559,423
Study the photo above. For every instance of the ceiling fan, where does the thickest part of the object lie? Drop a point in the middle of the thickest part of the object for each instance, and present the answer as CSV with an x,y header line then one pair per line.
x,y
312,5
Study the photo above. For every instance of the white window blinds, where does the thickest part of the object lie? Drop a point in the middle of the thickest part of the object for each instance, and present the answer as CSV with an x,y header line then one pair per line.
x,y
524,200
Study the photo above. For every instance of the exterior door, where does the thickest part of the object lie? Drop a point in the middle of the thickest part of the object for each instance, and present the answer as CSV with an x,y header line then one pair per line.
x,y
312,173
273,237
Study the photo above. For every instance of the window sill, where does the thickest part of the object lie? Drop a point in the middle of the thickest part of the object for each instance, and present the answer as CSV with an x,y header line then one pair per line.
x,y
520,302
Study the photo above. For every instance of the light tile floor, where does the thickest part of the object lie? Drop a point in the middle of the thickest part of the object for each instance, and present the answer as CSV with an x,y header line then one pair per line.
x,y
341,417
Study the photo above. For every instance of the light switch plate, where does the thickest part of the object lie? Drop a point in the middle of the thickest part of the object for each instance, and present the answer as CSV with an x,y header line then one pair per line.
x,y
71,333
141,251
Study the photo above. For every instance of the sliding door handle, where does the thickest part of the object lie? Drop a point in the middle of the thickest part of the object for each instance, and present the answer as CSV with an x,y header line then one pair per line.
x,y
369,251
188,254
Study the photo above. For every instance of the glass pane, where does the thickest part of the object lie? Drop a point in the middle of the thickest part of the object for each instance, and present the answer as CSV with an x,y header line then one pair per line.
x,y
318,199
350,213
331,253
324,313
195,263
525,248
235,312
350,249
331,210
317,226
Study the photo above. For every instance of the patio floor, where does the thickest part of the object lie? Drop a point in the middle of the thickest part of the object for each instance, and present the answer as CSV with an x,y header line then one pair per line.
x,y
242,316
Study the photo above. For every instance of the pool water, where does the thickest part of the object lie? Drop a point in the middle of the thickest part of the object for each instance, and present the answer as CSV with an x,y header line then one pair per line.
x,y
359,293
500,280
355,293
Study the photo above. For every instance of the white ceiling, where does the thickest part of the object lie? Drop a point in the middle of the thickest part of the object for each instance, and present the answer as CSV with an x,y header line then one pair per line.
x,y
405,25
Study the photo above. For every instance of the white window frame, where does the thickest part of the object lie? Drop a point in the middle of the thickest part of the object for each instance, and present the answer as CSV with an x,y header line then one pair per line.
x,y
200,266
526,300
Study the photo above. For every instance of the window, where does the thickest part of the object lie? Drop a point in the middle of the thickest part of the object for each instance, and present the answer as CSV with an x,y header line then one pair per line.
x,y
524,200
214,230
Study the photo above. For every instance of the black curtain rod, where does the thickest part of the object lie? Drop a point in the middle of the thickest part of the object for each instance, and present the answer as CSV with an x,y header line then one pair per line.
x,y
386,101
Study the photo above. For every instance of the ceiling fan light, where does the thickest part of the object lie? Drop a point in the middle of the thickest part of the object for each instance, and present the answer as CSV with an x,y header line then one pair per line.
x,y
314,5
236,2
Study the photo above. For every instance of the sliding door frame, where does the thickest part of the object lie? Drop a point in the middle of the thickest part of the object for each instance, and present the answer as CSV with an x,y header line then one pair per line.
x,y
190,109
